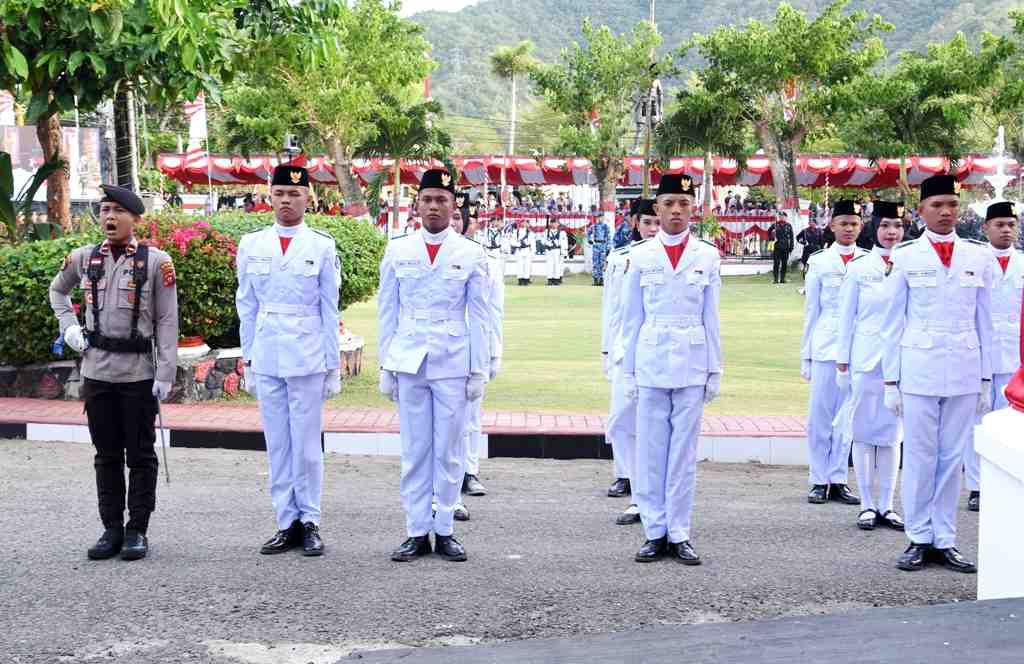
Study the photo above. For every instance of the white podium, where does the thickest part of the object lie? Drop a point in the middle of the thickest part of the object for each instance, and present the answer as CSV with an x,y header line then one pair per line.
x,y
999,440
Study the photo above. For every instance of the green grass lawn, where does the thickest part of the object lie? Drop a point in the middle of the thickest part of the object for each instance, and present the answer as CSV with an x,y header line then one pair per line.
x,y
552,356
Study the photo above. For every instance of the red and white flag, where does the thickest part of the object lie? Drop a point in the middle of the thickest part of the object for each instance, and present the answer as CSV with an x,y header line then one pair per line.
x,y
195,111
6,109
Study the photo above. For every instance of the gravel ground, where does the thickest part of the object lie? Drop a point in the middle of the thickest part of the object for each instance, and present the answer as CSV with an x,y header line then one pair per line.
x,y
546,560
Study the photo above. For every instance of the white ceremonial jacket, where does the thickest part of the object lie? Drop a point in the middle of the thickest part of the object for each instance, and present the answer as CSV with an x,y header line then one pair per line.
x,y
615,270
496,308
494,241
825,274
670,328
288,304
520,240
938,328
1006,314
437,312
863,301
555,243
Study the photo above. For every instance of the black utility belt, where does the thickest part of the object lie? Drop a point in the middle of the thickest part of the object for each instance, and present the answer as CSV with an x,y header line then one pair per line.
x,y
120,345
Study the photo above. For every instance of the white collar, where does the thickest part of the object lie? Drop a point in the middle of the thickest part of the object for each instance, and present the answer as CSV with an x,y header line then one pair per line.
x,y
1002,252
847,250
289,231
672,240
935,237
882,251
435,238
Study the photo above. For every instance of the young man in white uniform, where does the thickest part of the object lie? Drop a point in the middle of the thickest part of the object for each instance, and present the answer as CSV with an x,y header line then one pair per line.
x,y
434,349
521,243
938,368
556,246
672,364
826,269
621,431
289,276
876,433
1002,228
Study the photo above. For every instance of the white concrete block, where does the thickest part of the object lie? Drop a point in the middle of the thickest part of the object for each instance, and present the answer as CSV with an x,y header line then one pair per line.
x,y
705,449
741,450
390,444
1000,535
352,443
789,452
64,433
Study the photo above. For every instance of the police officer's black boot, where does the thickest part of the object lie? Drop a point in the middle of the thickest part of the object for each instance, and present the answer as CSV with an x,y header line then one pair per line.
x,y
109,543
135,546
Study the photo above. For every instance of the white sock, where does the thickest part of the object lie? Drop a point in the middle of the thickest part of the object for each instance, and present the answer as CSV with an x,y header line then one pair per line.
x,y
888,460
864,468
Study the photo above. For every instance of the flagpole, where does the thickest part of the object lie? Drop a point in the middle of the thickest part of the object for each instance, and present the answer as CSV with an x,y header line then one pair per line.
x,y
209,174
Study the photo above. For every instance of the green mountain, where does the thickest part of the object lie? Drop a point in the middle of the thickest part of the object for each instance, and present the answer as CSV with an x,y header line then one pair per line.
x,y
464,40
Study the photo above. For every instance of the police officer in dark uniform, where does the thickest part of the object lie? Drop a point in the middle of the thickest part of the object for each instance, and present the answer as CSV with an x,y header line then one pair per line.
x,y
781,234
129,348
812,239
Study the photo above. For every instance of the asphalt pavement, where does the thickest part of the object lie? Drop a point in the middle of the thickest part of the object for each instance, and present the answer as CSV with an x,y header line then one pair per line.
x,y
545,561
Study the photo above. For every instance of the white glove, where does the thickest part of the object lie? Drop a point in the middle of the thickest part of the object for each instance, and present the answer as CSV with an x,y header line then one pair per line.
x,y
495,367
332,384
161,389
388,385
631,390
805,370
712,387
843,379
249,382
985,398
74,338
606,365
474,387
893,399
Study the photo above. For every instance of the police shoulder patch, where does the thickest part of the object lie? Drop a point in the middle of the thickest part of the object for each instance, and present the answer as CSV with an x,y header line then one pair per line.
x,y
167,273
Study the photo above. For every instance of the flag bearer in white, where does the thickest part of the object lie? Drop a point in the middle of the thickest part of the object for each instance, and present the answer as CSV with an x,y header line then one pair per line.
x,y
434,350
1001,228
826,269
289,277
876,433
938,368
621,431
672,364
556,247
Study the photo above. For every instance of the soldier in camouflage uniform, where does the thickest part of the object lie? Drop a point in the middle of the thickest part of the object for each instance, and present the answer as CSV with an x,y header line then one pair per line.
x,y
131,305
599,237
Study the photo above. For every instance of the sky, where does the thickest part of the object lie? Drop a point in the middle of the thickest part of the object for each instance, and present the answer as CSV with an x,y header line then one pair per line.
x,y
410,7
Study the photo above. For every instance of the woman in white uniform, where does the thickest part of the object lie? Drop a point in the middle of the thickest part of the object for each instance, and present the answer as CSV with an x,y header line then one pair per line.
x,y
875,431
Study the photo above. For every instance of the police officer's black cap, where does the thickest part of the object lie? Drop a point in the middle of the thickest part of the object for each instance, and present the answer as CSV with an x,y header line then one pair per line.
x,y
1001,210
940,185
887,210
846,207
676,184
634,205
646,208
437,178
126,198
290,176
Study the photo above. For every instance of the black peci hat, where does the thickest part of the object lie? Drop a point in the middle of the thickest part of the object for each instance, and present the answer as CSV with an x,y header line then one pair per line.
x,y
646,208
887,210
676,184
126,198
436,178
846,207
286,175
940,185
1003,209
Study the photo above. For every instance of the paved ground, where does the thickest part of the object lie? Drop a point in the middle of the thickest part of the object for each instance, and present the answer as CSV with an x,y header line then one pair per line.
x,y
545,562
228,416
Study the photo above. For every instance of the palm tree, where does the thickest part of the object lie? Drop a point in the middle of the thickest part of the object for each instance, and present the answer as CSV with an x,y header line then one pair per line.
x,y
508,63
408,132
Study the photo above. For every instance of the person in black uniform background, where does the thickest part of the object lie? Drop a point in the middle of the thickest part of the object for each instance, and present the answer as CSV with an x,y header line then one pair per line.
x,y
781,234
131,304
812,239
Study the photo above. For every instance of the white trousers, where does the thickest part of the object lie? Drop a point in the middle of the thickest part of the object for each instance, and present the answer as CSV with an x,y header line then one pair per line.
x,y
829,454
972,464
553,259
668,423
936,432
474,440
524,263
622,426
431,414
292,426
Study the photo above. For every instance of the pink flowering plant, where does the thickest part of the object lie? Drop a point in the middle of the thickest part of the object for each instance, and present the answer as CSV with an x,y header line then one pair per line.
x,y
204,265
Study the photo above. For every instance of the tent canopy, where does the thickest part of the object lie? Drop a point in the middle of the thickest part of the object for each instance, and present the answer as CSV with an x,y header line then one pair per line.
x,y
811,171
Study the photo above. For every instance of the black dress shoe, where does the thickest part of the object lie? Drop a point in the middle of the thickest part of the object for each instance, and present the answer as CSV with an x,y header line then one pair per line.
x,y
974,501
135,545
841,493
630,516
312,544
652,550
449,548
619,488
683,552
411,549
892,520
283,540
914,558
818,494
108,545
954,560
867,519
472,486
